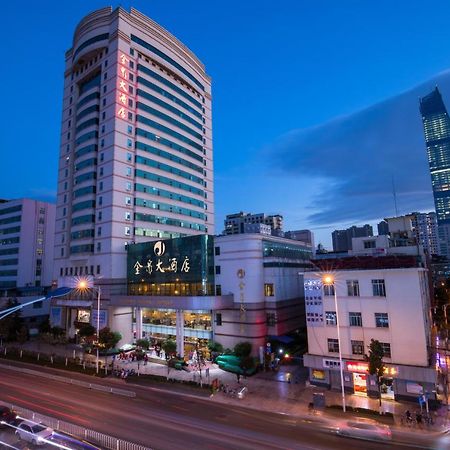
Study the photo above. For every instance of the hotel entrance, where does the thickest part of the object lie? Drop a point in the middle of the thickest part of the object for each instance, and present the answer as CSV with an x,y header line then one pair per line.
x,y
360,383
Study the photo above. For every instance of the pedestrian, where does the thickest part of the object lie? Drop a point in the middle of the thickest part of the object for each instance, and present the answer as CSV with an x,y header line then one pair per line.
x,y
419,419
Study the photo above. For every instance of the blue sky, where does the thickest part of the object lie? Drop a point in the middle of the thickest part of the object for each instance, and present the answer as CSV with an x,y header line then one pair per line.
x,y
315,104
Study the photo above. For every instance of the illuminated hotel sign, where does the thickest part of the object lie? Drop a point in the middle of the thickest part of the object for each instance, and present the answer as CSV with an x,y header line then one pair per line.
x,y
188,259
123,86
157,264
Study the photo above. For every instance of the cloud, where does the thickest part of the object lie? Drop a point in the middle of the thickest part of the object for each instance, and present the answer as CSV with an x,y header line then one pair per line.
x,y
354,160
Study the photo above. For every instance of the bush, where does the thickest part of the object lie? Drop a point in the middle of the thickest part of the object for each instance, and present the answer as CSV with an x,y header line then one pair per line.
x,y
243,349
215,347
143,343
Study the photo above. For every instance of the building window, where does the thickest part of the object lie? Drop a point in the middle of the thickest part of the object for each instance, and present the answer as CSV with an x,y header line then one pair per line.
x,y
269,290
99,215
357,347
381,320
386,349
98,269
218,317
128,201
99,246
378,288
128,186
353,288
216,251
99,231
218,289
128,171
129,143
127,215
355,319
217,270
130,129
328,289
330,318
127,231
369,244
129,157
333,346
271,319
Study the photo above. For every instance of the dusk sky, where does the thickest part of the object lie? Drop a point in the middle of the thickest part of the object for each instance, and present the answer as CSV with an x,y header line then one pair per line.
x,y
315,103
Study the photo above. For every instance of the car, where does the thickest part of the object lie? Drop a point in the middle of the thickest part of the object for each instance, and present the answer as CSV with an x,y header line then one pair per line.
x,y
364,429
7,416
36,433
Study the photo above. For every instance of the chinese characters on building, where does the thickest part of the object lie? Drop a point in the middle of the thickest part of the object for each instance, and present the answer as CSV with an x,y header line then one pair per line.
x,y
123,88
157,265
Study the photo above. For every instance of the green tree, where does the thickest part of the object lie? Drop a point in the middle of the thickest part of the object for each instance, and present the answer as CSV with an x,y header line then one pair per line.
x,y
246,364
169,346
11,324
143,343
375,360
108,339
215,347
87,330
243,349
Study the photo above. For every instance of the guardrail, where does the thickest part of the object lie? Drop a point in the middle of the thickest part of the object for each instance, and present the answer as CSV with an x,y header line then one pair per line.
x,y
103,440
95,386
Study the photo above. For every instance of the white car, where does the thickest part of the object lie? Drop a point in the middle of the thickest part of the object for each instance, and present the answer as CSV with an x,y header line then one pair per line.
x,y
364,429
36,433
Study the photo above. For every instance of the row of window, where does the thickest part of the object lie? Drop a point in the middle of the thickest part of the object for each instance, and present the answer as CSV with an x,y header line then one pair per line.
x,y
89,84
82,234
168,143
172,86
9,251
85,177
86,137
86,163
167,155
10,220
8,241
90,218
87,99
378,288
171,61
87,111
170,208
355,319
170,132
10,209
84,191
9,262
85,150
169,169
71,271
164,180
167,194
357,347
169,221
172,109
10,230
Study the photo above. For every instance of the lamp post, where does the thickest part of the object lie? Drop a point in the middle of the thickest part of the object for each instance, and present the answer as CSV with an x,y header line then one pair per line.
x,y
328,280
83,285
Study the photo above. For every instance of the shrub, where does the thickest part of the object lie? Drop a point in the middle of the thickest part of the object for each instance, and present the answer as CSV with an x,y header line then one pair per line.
x,y
243,349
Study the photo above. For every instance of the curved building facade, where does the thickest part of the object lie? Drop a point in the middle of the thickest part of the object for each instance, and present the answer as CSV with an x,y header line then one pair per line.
x,y
136,159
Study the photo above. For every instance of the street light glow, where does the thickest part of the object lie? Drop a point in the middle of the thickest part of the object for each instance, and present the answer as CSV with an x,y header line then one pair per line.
x,y
82,284
328,279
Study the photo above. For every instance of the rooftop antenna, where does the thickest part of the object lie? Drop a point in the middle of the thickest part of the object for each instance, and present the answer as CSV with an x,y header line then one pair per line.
x,y
395,196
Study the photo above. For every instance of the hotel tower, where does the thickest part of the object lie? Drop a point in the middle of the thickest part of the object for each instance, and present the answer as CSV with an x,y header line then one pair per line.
x,y
136,161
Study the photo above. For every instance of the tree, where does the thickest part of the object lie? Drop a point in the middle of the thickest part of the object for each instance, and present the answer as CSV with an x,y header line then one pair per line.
x,y
246,364
11,324
87,330
243,349
143,343
22,335
215,347
44,326
108,339
375,360
169,346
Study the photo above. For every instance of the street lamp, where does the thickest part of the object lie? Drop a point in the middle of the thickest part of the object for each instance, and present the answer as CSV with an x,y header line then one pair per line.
x,y
83,285
328,280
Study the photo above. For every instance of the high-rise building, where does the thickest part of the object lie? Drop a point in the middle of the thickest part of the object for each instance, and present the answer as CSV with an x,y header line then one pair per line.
x,y
26,245
242,222
436,124
342,239
383,228
136,159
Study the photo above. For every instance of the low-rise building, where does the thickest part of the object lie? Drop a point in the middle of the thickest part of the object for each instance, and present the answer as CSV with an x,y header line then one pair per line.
x,y
385,298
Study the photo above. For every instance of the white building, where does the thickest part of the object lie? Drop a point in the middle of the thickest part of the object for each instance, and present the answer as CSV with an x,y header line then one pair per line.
x,y
265,276
26,245
241,222
136,155
385,298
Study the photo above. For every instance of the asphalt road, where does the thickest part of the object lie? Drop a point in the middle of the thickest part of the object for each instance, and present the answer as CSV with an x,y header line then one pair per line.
x,y
163,420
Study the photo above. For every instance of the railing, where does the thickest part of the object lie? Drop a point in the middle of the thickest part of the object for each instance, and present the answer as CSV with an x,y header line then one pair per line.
x,y
103,440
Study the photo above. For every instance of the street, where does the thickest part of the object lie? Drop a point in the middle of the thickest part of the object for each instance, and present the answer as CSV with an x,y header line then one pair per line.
x,y
163,420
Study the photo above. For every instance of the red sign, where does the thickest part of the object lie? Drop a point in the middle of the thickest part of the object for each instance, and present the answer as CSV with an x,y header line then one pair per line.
x,y
357,366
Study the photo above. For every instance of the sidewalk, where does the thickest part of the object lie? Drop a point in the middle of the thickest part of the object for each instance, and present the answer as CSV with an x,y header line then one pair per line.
x,y
286,391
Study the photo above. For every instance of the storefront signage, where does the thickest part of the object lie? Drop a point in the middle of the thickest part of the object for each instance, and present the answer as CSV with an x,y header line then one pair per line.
x,y
318,374
103,322
123,86
357,366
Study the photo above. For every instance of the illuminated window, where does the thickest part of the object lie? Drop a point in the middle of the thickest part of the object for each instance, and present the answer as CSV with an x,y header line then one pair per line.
x,y
357,347
269,290
328,289
381,320
331,318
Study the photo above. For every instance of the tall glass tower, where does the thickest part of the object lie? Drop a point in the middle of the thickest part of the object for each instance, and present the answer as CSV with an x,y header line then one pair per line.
x,y
136,160
436,124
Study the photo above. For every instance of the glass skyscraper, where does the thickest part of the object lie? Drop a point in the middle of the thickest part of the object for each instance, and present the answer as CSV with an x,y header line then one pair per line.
x,y
436,124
